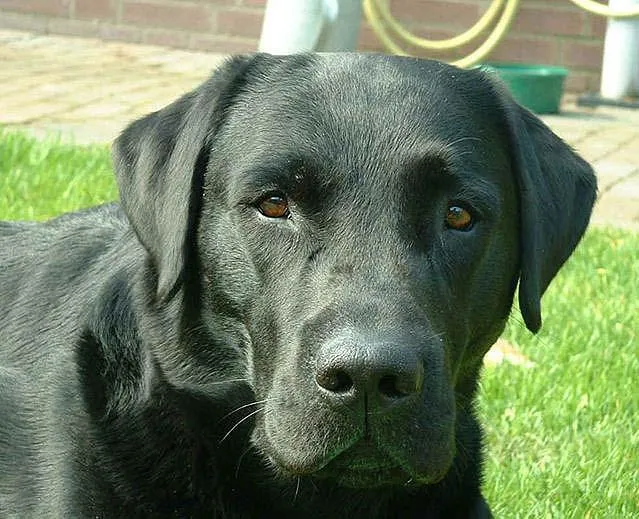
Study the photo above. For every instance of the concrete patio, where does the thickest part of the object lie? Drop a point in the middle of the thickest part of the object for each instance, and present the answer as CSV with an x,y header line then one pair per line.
x,y
88,90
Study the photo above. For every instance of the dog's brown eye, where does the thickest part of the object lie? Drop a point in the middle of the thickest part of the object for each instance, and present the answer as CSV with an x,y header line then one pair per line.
x,y
458,218
274,206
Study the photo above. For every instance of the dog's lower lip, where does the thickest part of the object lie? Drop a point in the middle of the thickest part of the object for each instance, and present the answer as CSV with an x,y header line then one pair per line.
x,y
368,477
365,464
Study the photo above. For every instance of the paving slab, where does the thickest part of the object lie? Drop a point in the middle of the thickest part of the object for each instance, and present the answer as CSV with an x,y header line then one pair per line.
x,y
88,90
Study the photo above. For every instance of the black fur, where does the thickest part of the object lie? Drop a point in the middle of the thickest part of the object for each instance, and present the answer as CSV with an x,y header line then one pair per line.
x,y
183,355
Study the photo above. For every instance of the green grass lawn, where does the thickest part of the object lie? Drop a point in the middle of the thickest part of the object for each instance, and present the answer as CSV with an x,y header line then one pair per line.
x,y
41,179
563,436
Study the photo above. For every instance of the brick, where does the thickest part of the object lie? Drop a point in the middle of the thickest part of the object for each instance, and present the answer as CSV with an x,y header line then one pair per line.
x,y
222,44
23,22
95,9
549,21
131,34
576,83
532,50
434,12
68,27
167,38
218,3
594,81
583,54
247,24
186,16
45,7
368,40
580,81
596,26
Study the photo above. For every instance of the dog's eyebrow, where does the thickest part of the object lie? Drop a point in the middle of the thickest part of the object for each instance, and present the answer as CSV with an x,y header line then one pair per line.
x,y
481,194
290,174
438,156
434,160
443,164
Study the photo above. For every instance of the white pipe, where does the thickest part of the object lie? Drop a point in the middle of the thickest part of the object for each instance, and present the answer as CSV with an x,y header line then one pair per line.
x,y
292,26
342,26
620,70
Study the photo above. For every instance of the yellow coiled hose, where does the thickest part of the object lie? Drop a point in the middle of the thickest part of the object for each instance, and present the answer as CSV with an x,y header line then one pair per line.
x,y
379,16
383,22
604,10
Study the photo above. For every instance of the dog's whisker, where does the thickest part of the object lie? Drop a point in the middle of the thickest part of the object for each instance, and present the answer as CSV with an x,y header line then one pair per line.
x,y
239,423
437,335
239,461
297,489
257,402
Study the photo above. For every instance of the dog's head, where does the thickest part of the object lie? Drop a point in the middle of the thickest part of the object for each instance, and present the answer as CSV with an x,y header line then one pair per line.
x,y
363,221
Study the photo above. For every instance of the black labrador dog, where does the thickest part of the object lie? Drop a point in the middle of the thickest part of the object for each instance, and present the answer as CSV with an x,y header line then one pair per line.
x,y
286,314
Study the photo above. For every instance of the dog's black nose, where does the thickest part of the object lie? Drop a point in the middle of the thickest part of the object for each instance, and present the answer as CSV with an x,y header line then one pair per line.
x,y
385,371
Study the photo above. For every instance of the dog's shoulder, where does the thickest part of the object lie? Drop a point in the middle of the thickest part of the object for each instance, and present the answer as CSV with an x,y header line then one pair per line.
x,y
68,350
41,263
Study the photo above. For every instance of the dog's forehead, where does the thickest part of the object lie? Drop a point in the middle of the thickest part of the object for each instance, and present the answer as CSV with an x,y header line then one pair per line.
x,y
373,103
357,84
383,75
359,121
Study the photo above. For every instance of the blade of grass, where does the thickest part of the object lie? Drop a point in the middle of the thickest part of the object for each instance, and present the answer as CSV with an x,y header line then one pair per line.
x,y
42,178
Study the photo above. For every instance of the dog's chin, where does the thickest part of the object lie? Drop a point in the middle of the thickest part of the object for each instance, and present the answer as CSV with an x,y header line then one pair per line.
x,y
362,466
363,477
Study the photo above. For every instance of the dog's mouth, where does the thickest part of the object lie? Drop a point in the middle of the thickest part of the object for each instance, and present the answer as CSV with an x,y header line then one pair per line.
x,y
364,466
354,458
372,478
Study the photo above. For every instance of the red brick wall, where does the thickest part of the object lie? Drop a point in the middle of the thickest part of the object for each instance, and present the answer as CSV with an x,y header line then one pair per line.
x,y
545,31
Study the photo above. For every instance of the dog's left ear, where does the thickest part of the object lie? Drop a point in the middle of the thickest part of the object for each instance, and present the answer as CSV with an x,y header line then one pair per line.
x,y
160,161
557,190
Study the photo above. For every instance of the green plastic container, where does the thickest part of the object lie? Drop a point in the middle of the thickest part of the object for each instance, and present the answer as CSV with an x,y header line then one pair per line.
x,y
538,87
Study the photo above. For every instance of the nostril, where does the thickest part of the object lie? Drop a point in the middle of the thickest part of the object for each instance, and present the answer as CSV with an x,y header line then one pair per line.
x,y
392,386
389,387
336,381
400,385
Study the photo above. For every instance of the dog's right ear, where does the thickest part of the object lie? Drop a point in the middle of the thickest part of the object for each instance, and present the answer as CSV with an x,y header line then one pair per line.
x,y
557,190
160,161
